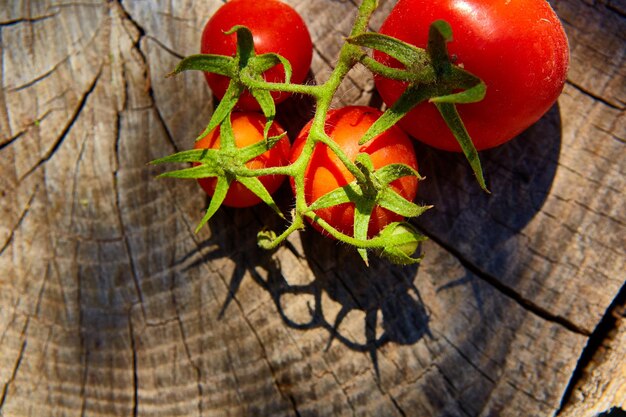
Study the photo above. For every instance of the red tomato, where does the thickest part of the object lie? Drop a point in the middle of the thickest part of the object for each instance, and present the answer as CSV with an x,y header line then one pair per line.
x,y
248,130
517,47
326,172
276,27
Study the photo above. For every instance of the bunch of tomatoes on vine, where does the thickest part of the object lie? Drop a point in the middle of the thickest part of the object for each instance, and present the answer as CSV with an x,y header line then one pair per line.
x,y
458,75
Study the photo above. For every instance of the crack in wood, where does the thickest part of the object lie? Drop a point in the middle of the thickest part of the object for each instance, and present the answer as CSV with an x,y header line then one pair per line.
x,y
18,362
164,47
41,77
294,406
263,351
231,368
529,394
20,220
3,102
466,358
396,405
511,293
66,130
452,389
599,335
29,20
594,96
35,123
615,9
133,347
144,58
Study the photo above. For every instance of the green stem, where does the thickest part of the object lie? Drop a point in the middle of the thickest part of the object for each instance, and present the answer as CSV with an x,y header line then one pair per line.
x,y
260,172
295,225
348,57
374,243
311,90
324,93
426,75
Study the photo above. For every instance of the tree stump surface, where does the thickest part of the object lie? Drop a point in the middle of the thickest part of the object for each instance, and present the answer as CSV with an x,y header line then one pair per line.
x,y
110,305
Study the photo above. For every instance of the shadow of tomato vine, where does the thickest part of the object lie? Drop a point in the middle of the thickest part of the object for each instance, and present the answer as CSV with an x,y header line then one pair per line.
x,y
383,294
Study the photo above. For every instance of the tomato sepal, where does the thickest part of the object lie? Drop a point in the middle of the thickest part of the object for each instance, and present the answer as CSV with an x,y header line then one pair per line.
x,y
207,158
451,115
200,171
221,188
394,202
257,188
392,172
266,102
439,34
224,109
256,149
416,62
362,215
245,44
414,95
191,155
217,64
264,62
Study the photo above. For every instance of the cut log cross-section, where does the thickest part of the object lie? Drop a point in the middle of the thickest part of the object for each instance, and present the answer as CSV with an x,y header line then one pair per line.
x,y
111,305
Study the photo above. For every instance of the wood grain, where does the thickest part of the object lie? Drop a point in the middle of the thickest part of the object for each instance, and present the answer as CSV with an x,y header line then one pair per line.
x,y
110,305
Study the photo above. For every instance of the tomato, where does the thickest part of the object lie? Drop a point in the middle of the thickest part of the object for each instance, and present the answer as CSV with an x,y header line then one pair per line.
x,y
276,27
248,130
517,47
326,172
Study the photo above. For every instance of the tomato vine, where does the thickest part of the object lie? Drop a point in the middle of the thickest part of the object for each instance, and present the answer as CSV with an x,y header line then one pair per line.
x,y
430,76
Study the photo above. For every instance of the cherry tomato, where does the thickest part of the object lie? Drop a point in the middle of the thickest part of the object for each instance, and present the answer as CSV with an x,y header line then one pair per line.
x,y
326,172
517,47
248,130
276,27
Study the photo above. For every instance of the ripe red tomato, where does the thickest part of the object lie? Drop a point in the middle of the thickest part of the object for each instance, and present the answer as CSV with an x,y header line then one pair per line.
x,y
326,172
276,27
517,47
248,130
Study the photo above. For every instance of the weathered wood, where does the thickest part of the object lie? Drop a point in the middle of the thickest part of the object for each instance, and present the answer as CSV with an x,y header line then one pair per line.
x,y
111,305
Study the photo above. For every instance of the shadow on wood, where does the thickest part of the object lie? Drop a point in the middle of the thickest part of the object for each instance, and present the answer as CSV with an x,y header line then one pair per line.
x,y
484,229
519,175
383,294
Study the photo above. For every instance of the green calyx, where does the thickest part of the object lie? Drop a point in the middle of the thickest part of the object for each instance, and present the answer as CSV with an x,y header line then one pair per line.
x,y
226,164
429,75
244,69
366,195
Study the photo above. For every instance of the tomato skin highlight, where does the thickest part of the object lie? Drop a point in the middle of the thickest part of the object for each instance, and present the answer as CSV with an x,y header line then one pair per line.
x,y
326,172
517,47
275,26
248,130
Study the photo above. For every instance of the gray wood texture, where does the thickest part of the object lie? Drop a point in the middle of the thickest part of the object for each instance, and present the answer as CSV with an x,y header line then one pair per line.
x,y
110,305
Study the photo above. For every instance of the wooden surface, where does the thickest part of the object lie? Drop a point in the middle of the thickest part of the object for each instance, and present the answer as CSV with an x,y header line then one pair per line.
x,y
110,305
